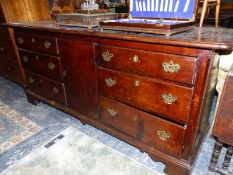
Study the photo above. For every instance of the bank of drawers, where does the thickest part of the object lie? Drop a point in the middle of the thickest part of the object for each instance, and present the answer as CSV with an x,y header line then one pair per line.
x,y
146,94
42,65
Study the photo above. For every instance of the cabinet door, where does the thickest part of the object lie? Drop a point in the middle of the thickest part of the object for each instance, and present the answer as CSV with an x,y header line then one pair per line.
x,y
79,76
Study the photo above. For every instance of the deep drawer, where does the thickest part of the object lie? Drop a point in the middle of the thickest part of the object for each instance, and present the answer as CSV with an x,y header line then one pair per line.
x,y
45,65
6,49
173,67
152,95
37,43
45,87
10,70
159,133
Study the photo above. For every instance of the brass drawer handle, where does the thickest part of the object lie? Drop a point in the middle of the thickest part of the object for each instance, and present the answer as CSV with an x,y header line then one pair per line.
x,y
110,82
163,135
135,59
112,112
51,65
25,59
20,40
55,90
2,49
47,44
170,67
107,56
33,40
31,80
136,83
169,98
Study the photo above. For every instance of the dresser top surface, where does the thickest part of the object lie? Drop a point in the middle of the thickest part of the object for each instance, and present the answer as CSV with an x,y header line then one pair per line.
x,y
205,38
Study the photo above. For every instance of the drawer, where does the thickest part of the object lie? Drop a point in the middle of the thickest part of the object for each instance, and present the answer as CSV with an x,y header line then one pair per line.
x,y
6,49
156,132
45,65
45,87
152,95
172,67
10,70
37,43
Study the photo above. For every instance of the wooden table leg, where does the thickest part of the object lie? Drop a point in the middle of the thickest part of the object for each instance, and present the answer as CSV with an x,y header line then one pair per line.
x,y
215,155
227,160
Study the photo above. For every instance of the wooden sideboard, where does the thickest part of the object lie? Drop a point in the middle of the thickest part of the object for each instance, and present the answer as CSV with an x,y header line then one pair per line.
x,y
148,90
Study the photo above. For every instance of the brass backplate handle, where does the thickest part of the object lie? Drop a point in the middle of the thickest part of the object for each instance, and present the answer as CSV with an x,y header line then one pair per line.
x,y
47,44
25,59
55,90
110,82
51,65
20,40
170,67
163,135
112,112
169,98
31,80
107,56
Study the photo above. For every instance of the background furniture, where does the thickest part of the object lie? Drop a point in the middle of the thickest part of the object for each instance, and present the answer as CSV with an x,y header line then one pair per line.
x,y
152,92
206,4
223,127
13,11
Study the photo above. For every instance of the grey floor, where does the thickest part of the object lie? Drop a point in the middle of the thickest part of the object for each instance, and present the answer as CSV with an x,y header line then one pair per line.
x,y
54,121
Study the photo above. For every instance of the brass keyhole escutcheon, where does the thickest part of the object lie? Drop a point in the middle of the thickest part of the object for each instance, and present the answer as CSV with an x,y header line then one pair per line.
x,y
135,59
107,56
136,83
110,82
33,40
47,44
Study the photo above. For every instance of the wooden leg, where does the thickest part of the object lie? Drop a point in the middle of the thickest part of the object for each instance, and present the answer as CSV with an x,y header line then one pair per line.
x,y
215,155
227,159
204,8
217,13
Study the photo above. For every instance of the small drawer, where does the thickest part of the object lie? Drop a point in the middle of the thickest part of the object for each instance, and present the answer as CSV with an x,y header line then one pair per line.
x,y
152,95
42,64
6,49
10,70
159,133
45,87
37,42
172,67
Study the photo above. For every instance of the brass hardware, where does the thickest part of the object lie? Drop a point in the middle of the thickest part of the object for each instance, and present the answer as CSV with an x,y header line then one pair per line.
x,y
20,40
136,83
55,90
135,59
107,56
51,65
2,49
135,118
64,73
163,135
110,82
37,58
112,112
25,59
31,80
169,98
47,44
33,40
170,67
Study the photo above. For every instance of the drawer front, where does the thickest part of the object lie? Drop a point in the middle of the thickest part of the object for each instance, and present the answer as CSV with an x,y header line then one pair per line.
x,y
6,49
148,94
45,65
173,67
36,42
159,133
46,87
10,70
